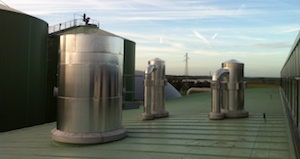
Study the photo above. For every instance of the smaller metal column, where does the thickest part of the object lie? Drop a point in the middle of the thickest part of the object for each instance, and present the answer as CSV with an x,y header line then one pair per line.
x,y
147,115
217,94
154,90
224,95
158,89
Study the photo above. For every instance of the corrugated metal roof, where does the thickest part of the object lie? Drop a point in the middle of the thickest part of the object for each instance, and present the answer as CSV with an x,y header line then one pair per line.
x,y
186,133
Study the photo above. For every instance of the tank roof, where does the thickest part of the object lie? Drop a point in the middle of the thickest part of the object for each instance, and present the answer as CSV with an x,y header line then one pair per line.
x,y
87,29
157,59
233,61
7,8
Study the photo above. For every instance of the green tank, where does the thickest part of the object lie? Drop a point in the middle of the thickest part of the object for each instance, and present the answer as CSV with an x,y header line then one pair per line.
x,y
129,70
23,69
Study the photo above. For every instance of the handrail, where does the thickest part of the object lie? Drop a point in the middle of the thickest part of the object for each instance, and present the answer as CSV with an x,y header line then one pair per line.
x,y
70,24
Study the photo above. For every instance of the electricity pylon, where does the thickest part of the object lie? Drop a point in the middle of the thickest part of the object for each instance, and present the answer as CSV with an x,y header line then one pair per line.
x,y
186,58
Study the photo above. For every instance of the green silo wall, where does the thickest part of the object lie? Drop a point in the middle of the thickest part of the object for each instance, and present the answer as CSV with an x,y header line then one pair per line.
x,y
129,70
23,70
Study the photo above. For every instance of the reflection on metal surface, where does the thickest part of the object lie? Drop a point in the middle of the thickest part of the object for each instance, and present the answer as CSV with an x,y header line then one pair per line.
x,y
228,91
155,82
147,93
236,87
216,89
90,87
197,90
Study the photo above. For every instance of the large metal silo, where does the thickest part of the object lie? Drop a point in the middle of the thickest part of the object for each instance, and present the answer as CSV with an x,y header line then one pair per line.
x,y
90,89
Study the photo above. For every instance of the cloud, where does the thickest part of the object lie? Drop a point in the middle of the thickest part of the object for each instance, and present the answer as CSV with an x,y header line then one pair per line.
x,y
275,45
240,9
207,42
251,29
214,36
251,38
295,29
161,40
201,37
131,10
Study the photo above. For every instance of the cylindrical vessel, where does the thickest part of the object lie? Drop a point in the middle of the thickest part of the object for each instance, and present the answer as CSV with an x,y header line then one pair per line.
x,y
215,97
129,70
224,95
90,88
215,103
217,93
23,70
235,88
158,88
147,93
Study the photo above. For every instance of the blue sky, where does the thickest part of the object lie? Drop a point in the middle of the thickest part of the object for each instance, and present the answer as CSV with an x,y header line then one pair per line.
x,y
259,33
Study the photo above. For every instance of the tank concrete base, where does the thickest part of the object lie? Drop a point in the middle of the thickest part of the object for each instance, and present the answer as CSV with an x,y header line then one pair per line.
x,y
224,111
160,114
216,116
147,116
88,138
236,114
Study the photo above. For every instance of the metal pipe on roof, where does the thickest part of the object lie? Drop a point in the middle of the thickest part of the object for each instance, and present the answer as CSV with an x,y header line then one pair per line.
x,y
228,87
197,90
158,89
147,93
224,94
155,82
236,87
217,93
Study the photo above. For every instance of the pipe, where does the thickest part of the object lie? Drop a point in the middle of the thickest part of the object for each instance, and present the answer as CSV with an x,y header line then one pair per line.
x,y
224,97
147,115
196,90
216,93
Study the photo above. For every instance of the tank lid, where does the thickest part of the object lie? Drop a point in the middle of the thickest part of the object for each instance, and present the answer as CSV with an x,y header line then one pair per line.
x,y
233,61
157,59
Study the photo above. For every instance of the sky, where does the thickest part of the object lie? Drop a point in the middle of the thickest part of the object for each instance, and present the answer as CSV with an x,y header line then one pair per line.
x,y
259,33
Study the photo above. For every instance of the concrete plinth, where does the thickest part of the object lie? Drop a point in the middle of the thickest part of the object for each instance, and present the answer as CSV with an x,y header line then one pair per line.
x,y
88,138
147,116
160,114
236,114
216,116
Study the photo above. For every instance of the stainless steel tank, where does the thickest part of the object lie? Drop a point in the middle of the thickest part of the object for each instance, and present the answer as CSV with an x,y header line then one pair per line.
x,y
159,81
236,88
155,80
90,89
